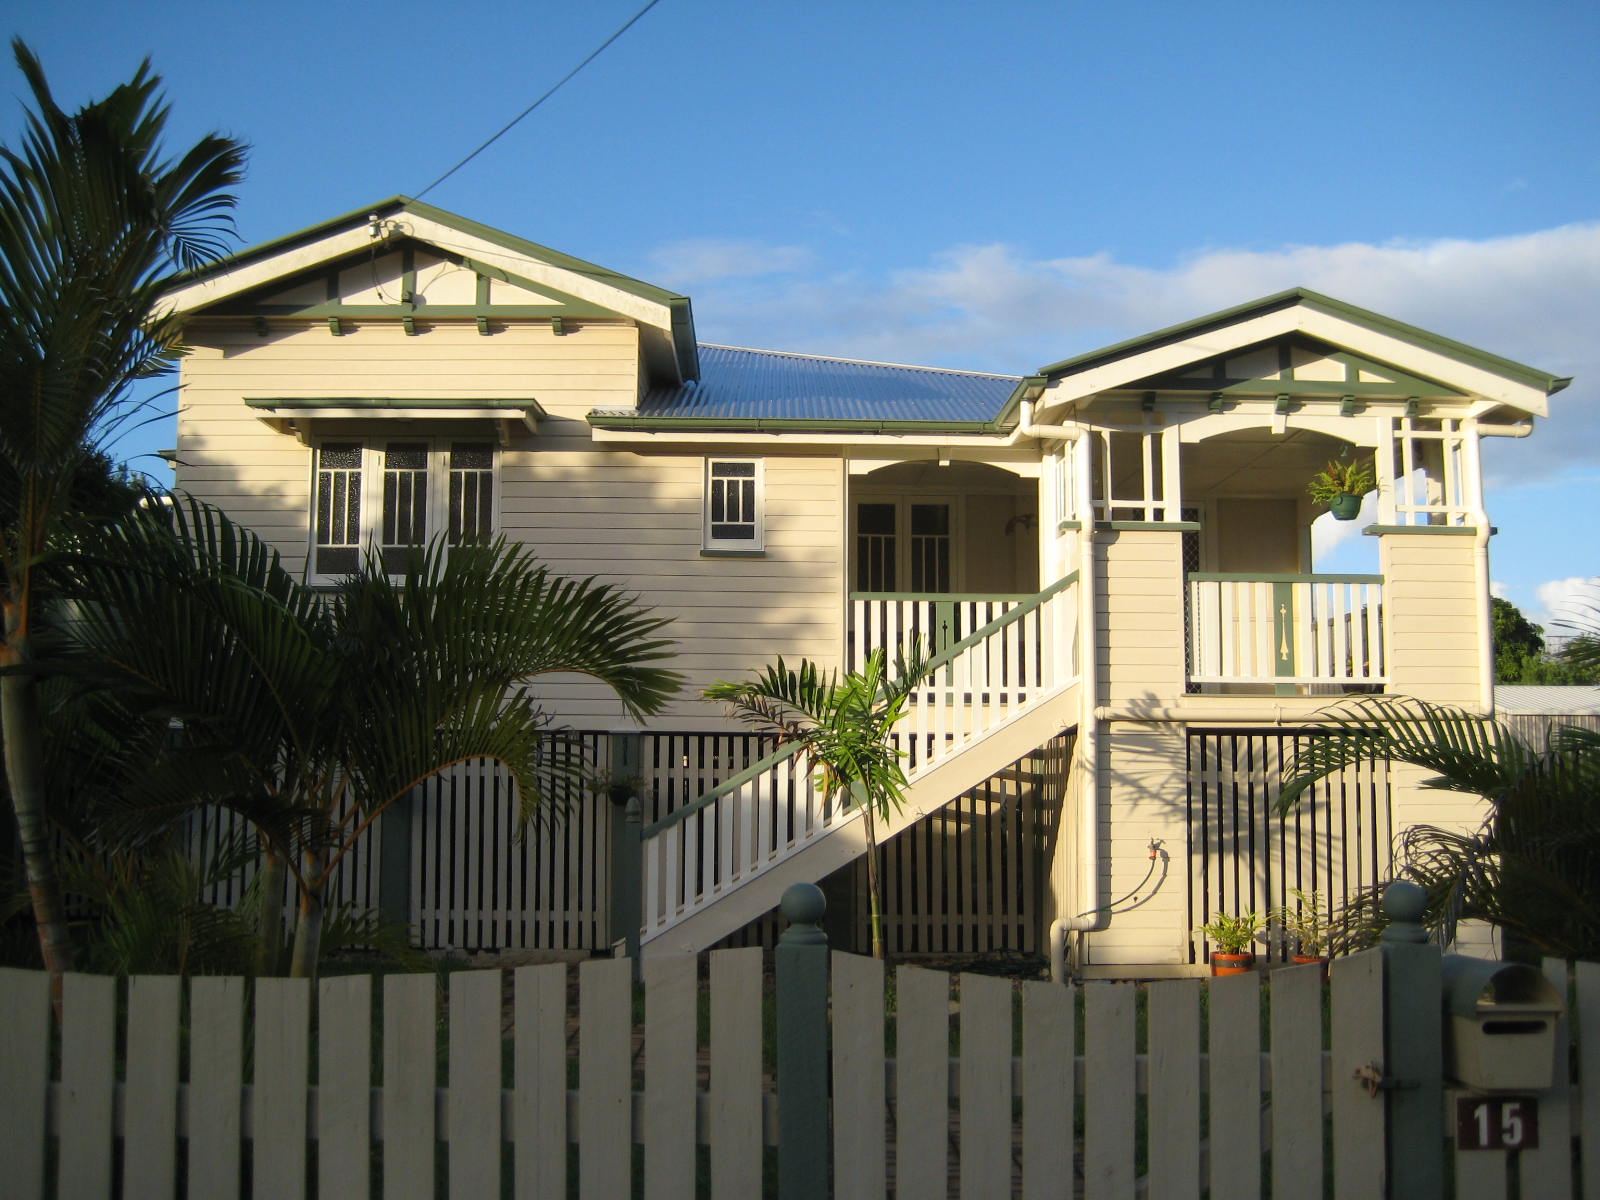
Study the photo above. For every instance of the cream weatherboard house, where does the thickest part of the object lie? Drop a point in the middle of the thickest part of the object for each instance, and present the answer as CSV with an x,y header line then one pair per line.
x,y
1112,553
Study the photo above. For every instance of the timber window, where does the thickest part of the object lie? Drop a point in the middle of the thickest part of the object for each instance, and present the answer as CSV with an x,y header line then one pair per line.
x,y
390,496
734,505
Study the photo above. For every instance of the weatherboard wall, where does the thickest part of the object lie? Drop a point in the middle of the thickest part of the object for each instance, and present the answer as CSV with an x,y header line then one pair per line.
x,y
630,519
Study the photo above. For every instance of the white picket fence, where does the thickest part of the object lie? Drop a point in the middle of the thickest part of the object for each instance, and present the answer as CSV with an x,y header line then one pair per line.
x,y
989,1090
1289,629
774,810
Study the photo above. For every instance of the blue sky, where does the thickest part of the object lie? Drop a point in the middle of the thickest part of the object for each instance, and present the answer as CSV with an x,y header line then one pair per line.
x,y
983,186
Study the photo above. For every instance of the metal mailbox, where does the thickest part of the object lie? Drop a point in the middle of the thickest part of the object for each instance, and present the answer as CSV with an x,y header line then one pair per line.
x,y
1500,1024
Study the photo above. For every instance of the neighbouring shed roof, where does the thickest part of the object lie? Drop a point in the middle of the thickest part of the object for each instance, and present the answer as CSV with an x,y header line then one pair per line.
x,y
769,389
1570,699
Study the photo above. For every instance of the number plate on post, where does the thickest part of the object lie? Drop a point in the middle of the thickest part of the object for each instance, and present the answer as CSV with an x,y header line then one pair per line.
x,y
1497,1123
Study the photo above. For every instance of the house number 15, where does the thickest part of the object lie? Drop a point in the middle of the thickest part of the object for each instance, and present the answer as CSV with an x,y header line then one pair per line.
x,y
1497,1123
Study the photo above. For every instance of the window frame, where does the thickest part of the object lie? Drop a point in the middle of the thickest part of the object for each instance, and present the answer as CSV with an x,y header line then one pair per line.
x,y
726,546
371,468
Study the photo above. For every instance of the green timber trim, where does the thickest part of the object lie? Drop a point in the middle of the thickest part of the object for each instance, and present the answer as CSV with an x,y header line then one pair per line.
x,y
678,815
1068,526
1397,382
1283,627
678,305
757,769
368,312
398,204
312,403
1316,389
1157,526
1257,577
1421,338
633,424
953,597
733,554
1430,530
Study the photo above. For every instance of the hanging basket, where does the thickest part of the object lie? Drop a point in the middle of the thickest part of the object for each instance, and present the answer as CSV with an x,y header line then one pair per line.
x,y
1345,506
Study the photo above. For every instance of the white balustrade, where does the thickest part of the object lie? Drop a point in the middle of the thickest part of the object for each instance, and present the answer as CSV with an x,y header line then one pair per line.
x,y
1286,629
1024,651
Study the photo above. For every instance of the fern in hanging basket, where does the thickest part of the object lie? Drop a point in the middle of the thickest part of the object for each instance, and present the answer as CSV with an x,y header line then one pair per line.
x,y
1354,478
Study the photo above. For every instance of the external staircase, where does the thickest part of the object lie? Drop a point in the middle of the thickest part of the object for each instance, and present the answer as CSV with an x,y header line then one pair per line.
x,y
714,865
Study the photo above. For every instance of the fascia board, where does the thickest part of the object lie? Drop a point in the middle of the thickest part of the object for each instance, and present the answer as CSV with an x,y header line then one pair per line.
x,y
262,272
1081,388
447,237
1422,361
226,284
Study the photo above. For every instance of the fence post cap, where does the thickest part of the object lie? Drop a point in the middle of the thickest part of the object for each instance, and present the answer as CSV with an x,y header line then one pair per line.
x,y
802,906
1404,903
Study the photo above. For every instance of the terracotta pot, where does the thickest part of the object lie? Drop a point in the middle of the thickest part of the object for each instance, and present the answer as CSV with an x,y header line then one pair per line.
x,y
1232,964
1303,960
1345,506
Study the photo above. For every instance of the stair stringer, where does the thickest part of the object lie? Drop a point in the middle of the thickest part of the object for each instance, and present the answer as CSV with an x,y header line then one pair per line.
x,y
843,843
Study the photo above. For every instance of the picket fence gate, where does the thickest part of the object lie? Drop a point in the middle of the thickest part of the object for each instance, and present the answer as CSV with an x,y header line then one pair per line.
x,y
220,1088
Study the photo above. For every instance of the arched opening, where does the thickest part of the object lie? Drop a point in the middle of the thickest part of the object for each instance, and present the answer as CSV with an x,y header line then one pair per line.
x,y
931,528
1246,488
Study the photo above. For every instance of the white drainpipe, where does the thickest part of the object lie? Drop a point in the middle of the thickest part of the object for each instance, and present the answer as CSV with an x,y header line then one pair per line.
x,y
1087,903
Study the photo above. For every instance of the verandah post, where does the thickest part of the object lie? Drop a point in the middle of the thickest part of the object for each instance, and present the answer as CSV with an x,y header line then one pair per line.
x,y
800,966
1413,1051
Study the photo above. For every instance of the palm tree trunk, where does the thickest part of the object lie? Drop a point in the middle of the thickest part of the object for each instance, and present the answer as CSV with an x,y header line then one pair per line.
x,y
308,929
23,728
874,899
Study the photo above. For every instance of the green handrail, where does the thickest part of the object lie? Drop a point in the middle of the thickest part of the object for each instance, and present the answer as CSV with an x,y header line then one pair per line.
x,y
1257,577
679,815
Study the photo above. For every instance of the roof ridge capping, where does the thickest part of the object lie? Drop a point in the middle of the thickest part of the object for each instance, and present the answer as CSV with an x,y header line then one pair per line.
x,y
860,362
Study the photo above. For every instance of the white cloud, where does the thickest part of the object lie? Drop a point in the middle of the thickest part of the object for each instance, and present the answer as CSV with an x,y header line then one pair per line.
x,y
1531,297
1496,588
703,260
1568,605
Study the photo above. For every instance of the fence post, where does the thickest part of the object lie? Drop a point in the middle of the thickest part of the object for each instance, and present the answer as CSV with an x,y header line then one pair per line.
x,y
626,824
394,860
801,970
1413,1030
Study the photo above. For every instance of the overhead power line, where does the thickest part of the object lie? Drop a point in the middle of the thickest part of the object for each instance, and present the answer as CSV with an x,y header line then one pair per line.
x,y
598,51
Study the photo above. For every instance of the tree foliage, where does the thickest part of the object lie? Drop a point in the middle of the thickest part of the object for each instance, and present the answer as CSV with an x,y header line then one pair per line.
x,y
1532,868
843,726
309,714
93,216
1521,654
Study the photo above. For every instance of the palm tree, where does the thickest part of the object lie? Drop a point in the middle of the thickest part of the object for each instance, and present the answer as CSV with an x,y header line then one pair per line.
x,y
843,726
92,217
310,714
1533,867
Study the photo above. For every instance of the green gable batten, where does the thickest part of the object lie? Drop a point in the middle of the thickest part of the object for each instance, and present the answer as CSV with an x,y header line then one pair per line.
x,y
1460,351
678,305
786,424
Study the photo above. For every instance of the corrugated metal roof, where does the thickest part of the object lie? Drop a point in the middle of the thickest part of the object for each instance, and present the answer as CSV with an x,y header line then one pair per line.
x,y
1571,699
765,384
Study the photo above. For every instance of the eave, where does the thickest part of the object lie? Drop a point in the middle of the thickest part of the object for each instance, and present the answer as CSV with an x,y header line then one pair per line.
x,y
301,415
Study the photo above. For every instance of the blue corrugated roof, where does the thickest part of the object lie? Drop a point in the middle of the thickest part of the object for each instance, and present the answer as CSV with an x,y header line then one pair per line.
x,y
765,384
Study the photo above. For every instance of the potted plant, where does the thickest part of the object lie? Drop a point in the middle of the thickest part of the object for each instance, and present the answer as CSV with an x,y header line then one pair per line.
x,y
1231,936
1306,923
1340,485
